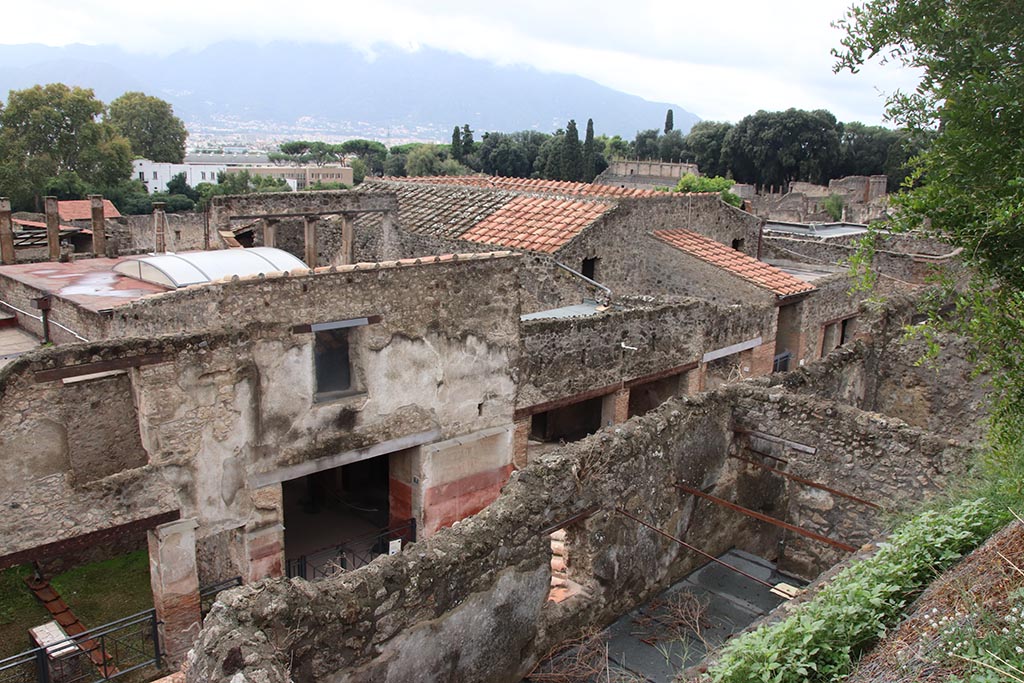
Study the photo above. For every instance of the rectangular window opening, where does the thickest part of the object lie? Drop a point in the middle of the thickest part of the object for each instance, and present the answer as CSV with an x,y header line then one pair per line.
x,y
590,268
331,360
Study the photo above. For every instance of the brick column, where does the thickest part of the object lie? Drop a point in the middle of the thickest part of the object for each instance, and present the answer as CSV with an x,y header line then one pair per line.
x,y
763,359
389,238
347,242
6,232
160,227
521,442
264,535
52,228
615,407
99,226
310,234
172,571
269,232
695,379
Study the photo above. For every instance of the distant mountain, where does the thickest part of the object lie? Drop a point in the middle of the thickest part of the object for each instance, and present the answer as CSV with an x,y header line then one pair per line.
x,y
334,88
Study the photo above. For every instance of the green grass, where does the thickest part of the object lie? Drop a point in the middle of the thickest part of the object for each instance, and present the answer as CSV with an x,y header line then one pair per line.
x,y
97,593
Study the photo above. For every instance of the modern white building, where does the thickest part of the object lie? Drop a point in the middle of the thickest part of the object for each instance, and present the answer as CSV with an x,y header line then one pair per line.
x,y
155,175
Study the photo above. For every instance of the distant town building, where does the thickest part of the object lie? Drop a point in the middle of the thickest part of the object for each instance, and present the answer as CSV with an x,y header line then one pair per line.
x,y
204,168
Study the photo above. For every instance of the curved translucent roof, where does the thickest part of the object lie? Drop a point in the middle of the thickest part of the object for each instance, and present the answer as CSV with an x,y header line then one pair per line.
x,y
197,267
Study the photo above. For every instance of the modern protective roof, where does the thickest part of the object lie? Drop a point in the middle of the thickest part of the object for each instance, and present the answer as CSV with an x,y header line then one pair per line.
x,y
198,267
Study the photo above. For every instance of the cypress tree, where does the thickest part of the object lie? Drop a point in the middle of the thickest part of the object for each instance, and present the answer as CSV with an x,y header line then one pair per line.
x,y
467,140
589,155
669,125
456,144
572,155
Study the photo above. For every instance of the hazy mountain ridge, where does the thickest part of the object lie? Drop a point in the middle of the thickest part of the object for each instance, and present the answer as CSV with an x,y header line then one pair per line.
x,y
285,82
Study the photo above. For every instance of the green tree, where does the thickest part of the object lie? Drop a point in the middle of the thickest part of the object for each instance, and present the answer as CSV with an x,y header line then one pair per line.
x,y
589,154
501,156
423,160
150,126
968,184
548,163
864,150
672,146
467,140
48,131
456,147
774,148
178,185
704,146
372,153
645,146
669,125
358,170
572,154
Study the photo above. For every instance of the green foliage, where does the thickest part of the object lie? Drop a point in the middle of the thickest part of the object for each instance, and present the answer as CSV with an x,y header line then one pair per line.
x,y
775,148
821,638
370,152
303,152
645,146
669,125
692,183
66,185
178,185
456,146
572,154
358,170
590,154
48,131
967,186
320,185
704,147
834,206
150,126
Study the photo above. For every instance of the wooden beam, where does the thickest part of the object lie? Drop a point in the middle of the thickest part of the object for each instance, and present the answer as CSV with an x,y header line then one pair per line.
x,y
99,226
52,228
99,366
579,516
806,482
803,448
766,518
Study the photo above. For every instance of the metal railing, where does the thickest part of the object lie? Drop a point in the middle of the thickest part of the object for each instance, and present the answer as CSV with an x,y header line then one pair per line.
x,y
208,594
781,362
100,654
351,554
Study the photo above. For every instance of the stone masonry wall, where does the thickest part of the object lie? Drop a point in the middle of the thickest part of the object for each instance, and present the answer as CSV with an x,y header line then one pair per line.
x,y
563,357
470,602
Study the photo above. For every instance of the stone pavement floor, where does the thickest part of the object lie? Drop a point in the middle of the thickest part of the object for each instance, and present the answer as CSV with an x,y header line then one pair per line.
x,y
15,341
656,641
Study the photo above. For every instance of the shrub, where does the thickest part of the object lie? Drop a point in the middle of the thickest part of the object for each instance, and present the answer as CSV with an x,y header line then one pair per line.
x,y
821,639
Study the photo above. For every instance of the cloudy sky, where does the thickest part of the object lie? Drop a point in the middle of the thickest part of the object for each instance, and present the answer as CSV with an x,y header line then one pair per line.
x,y
721,60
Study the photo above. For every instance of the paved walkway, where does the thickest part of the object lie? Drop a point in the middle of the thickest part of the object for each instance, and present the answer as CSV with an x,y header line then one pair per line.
x,y
15,341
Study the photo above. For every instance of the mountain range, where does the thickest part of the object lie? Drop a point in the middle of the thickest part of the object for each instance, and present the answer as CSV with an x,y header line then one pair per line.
x,y
337,89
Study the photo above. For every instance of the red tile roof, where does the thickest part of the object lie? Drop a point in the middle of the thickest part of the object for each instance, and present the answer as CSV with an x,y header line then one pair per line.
x,y
541,224
42,226
532,185
81,210
750,269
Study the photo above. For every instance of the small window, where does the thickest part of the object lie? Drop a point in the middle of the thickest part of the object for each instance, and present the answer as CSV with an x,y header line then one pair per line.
x,y
590,268
203,174
154,175
737,244
331,360
142,176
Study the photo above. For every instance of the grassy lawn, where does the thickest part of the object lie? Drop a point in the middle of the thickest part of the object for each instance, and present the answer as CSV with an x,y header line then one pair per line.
x,y
97,593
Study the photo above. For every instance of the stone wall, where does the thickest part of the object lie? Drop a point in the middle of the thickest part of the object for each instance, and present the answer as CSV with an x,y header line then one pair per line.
x,y
85,323
564,357
210,424
470,602
903,266
185,232
872,456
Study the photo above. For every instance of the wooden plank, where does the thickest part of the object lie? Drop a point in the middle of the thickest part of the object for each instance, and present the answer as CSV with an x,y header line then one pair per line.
x,y
806,482
766,518
99,366
796,446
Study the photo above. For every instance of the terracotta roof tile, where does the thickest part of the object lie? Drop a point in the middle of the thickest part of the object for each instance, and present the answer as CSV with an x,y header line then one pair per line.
x,y
717,254
81,209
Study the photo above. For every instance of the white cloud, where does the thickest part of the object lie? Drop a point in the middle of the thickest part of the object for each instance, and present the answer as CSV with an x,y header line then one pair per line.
x,y
722,61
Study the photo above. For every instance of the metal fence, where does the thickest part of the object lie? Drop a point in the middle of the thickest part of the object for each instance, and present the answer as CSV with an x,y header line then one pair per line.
x,y
208,594
351,554
100,654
